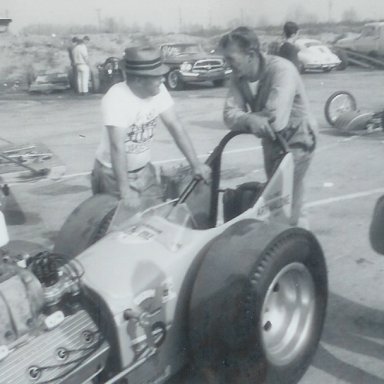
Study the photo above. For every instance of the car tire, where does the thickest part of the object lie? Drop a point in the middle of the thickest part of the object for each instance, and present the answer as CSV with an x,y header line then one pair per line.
x,y
327,70
219,83
376,229
343,56
174,81
87,224
241,316
350,105
95,81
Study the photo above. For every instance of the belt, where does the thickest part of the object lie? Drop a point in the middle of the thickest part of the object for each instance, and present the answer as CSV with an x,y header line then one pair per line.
x,y
137,170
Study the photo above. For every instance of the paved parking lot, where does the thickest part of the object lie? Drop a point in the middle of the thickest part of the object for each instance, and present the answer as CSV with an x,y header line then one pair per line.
x,y
345,180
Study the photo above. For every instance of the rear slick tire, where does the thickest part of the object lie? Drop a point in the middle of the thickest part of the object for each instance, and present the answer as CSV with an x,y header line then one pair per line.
x,y
264,324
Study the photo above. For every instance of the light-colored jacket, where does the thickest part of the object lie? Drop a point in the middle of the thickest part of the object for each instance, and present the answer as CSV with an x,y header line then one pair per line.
x,y
80,54
281,96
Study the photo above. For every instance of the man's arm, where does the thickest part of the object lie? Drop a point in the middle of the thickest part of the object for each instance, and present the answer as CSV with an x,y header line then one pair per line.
x,y
237,118
84,54
278,107
119,165
235,110
175,128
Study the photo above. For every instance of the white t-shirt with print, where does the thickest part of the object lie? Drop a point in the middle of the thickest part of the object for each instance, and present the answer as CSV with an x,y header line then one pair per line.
x,y
138,117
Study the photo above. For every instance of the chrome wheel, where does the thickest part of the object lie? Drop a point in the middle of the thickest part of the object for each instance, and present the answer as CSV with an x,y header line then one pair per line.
x,y
288,314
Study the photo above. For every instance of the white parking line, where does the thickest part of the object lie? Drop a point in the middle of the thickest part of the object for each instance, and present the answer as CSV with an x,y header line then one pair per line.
x,y
338,199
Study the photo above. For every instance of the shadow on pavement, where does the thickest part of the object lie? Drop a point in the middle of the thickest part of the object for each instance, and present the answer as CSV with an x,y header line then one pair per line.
x,y
354,328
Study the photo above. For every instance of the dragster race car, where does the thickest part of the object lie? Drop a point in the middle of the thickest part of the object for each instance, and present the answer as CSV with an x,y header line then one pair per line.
x,y
167,289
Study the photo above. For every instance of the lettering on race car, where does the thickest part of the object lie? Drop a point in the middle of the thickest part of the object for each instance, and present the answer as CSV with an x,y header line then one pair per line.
x,y
145,231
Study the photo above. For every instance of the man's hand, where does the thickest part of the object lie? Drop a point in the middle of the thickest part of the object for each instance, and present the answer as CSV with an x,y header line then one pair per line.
x,y
202,171
260,126
131,200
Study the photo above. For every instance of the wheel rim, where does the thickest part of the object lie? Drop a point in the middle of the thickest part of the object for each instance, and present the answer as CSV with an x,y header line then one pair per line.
x,y
173,79
339,105
288,314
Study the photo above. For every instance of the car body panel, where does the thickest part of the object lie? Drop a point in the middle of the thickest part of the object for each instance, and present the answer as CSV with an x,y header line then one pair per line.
x,y
315,55
193,63
370,41
156,252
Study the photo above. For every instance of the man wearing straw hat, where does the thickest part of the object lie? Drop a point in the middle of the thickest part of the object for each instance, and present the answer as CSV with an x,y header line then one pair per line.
x,y
130,112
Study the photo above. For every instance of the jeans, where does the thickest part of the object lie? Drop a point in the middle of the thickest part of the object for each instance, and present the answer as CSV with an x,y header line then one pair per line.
x,y
144,181
82,72
302,160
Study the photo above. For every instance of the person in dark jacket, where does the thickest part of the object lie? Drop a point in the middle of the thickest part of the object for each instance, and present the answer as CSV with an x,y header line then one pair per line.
x,y
288,49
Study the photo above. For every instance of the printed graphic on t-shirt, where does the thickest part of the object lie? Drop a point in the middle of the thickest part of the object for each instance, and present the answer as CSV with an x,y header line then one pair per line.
x,y
140,134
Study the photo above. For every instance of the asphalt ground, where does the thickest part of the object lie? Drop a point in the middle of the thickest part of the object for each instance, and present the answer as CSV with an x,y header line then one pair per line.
x,y
345,180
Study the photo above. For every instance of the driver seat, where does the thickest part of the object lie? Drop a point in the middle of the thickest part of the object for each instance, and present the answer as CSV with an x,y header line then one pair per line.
x,y
238,200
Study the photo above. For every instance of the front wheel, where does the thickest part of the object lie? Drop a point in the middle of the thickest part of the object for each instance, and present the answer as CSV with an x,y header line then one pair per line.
x,y
337,104
174,81
87,224
219,82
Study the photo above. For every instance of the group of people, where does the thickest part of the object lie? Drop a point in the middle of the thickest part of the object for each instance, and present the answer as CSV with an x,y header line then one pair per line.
x,y
78,56
266,97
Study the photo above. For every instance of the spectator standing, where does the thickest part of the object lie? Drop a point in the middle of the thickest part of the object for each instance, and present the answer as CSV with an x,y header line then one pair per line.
x,y
288,49
70,48
81,61
267,96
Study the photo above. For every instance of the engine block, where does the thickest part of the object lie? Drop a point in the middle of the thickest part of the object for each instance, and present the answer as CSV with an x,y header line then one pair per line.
x,y
71,353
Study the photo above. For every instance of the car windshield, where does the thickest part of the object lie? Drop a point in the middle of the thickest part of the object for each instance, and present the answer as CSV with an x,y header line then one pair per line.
x,y
180,49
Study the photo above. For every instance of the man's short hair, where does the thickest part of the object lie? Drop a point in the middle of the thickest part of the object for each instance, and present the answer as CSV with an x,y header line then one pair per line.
x,y
86,38
244,37
290,28
75,39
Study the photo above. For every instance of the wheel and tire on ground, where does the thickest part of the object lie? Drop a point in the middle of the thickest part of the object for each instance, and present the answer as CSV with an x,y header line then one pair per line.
x,y
219,82
87,224
174,81
338,103
258,310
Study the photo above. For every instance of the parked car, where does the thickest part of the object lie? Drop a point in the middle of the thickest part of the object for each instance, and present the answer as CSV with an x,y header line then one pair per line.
x,y
314,55
49,82
109,73
189,63
370,41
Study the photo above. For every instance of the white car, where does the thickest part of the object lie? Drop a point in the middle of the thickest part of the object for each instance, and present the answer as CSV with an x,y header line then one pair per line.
x,y
314,55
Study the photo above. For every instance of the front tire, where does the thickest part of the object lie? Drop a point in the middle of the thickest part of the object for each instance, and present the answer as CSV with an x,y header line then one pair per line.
x,y
337,104
87,224
174,81
263,309
219,83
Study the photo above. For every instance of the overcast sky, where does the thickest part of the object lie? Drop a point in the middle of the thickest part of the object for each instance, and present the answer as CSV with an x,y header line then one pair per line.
x,y
167,13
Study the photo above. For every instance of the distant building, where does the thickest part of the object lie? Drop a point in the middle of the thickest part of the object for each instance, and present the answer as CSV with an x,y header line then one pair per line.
x,y
4,23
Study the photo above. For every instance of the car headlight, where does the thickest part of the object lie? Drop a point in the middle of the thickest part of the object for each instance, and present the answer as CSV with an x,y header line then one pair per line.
x,y
186,67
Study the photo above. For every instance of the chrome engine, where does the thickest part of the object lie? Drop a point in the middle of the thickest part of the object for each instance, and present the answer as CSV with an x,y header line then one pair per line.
x,y
46,333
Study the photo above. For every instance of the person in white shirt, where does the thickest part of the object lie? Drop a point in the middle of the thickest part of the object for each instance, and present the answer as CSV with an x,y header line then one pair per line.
x,y
130,112
81,61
